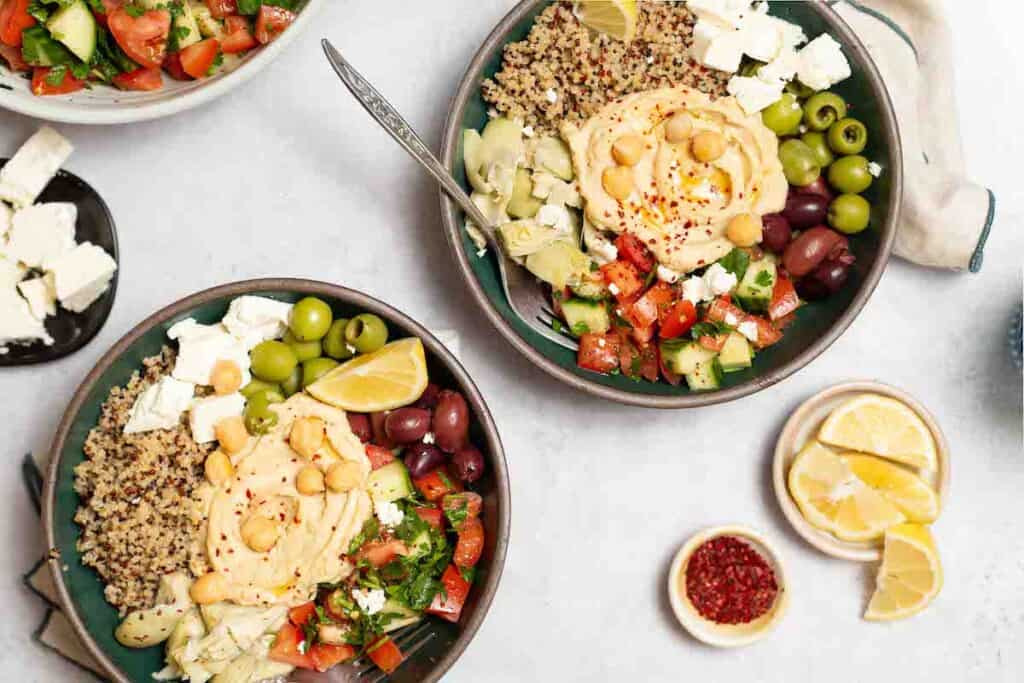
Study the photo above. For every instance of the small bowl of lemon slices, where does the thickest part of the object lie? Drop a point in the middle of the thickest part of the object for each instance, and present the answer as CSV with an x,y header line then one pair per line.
x,y
861,471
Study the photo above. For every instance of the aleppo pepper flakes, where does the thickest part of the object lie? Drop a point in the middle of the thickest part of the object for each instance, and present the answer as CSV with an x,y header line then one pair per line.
x,y
728,582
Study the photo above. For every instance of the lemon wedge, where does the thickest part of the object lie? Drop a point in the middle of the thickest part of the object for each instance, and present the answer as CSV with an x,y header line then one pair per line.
x,y
910,576
393,376
617,18
833,499
881,426
901,487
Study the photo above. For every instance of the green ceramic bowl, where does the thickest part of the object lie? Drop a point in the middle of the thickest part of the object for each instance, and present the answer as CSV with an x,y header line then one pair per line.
x,y
80,590
816,327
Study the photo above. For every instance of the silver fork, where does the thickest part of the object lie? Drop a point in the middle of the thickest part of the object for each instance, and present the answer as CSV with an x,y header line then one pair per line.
x,y
522,290
361,670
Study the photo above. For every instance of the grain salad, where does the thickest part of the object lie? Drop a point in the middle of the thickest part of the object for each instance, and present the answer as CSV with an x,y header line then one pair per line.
x,y
563,71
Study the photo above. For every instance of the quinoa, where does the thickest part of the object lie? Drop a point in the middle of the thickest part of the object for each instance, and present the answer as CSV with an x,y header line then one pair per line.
x,y
136,491
581,71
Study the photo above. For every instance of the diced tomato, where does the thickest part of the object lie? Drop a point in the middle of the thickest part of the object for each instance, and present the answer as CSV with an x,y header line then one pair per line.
x,y
638,361
108,7
172,63
713,343
286,648
632,249
470,544
271,22
599,352
14,18
625,277
222,8
378,456
237,36
437,484
301,614
380,554
650,307
722,310
143,38
767,333
679,319
385,654
784,299
41,84
670,377
432,516
462,506
196,60
325,656
140,79
448,604
12,55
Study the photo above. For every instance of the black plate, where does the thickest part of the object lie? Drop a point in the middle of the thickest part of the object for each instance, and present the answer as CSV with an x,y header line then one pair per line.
x,y
72,331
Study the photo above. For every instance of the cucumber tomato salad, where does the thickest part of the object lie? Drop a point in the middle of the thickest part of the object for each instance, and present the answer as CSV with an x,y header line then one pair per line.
x,y
68,45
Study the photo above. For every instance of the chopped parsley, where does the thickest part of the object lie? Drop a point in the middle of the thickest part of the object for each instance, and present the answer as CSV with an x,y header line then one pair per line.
x,y
763,279
709,328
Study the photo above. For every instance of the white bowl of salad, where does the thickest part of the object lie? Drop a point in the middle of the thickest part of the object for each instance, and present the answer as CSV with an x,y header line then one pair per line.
x,y
120,61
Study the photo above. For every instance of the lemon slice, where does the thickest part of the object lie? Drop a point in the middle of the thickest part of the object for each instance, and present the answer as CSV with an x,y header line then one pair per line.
x,y
617,18
901,487
881,426
832,498
910,576
390,377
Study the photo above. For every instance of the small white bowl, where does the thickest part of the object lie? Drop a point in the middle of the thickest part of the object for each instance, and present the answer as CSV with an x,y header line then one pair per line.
x,y
107,105
726,635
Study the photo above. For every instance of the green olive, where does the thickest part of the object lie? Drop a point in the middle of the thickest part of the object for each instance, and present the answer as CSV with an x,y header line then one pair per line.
x,y
850,175
819,145
799,90
273,361
798,163
824,109
312,370
259,418
849,213
335,345
848,136
293,384
783,117
311,318
366,332
258,385
304,350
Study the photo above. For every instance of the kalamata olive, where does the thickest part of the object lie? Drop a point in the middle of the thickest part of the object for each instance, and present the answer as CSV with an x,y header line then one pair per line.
x,y
805,210
406,425
422,458
428,400
809,249
828,278
380,434
360,424
819,187
451,421
776,233
468,464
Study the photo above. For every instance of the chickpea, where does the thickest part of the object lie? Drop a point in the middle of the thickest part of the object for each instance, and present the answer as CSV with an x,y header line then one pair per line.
x,y
310,480
259,533
708,145
307,436
209,588
218,467
232,434
344,476
628,149
744,230
678,128
618,182
226,377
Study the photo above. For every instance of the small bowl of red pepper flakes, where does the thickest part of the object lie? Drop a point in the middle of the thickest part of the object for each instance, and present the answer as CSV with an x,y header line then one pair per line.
x,y
727,586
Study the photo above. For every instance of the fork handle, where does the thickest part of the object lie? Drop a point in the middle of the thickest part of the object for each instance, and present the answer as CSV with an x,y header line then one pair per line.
x,y
398,128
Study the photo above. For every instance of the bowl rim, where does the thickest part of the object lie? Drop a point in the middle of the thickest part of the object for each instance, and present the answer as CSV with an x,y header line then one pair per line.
x,y
453,232
57,111
299,286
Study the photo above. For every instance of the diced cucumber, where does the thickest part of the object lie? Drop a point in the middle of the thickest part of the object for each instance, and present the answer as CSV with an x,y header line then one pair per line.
x,y
707,375
389,483
420,545
39,49
208,26
74,26
523,204
186,28
584,316
684,357
590,287
754,292
736,354
401,615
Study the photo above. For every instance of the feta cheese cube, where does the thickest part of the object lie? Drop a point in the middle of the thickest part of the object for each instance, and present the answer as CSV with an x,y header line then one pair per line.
x,y
41,295
781,69
748,328
160,406
666,274
11,272
754,94
201,346
729,13
207,412
822,63
41,233
556,217
255,319
81,276
695,290
388,513
716,47
718,280
792,34
28,173
762,36
17,324
5,220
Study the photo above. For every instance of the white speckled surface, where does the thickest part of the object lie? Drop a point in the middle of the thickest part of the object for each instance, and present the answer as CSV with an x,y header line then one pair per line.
x,y
288,176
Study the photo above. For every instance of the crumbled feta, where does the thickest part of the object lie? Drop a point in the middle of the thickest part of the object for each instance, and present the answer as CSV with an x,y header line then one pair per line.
x,y
351,349
201,346
875,169
81,276
614,289
695,289
160,406
666,274
17,324
41,233
802,129
601,342
822,63
370,601
429,437
255,319
731,319
551,95
41,295
207,412
528,131
556,217
388,513
719,281
748,328
32,168
754,94
717,47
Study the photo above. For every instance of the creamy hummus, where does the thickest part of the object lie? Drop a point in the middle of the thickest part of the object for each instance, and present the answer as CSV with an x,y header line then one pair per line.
x,y
314,530
679,207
